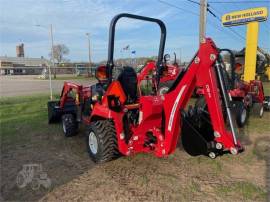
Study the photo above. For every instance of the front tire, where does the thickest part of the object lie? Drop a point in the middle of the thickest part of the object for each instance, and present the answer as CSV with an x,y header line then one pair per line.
x,y
21,180
101,141
70,125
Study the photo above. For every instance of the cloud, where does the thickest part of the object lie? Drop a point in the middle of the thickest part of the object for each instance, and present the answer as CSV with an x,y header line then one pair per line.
x,y
72,19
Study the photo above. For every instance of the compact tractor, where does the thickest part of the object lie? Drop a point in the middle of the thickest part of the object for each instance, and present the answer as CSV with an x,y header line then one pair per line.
x,y
251,93
245,96
169,74
120,120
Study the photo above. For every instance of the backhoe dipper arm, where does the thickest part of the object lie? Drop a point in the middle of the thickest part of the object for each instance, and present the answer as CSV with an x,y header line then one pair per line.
x,y
200,73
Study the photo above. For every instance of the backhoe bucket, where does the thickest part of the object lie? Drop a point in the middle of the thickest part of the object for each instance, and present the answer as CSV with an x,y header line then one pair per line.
x,y
197,134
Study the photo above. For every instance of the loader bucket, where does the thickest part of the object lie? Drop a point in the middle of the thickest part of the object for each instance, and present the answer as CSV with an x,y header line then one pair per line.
x,y
54,112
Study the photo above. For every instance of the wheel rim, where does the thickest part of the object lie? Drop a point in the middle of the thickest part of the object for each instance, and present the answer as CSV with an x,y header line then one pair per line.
x,y
64,126
261,112
243,115
92,141
163,90
20,180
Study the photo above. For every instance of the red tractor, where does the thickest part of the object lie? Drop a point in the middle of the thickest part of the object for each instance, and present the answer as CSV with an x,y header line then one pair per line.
x,y
244,96
169,73
121,120
252,93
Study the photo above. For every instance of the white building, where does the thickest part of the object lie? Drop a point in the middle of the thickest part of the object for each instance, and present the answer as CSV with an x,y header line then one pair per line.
x,y
22,65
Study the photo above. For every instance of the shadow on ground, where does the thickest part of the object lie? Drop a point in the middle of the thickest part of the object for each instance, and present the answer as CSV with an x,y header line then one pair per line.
x,y
26,138
61,159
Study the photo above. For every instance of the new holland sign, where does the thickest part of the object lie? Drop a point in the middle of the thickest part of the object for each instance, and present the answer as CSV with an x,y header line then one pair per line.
x,y
244,16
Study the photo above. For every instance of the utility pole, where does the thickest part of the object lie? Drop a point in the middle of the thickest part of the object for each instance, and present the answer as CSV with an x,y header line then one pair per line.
x,y
51,36
52,59
203,13
89,55
180,56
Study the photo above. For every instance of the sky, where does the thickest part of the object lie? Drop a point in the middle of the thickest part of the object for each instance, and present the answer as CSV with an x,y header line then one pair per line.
x,y
72,19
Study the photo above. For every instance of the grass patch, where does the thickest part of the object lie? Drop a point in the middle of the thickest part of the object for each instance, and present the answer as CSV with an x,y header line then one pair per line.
x,y
20,116
194,186
215,165
266,88
245,190
258,125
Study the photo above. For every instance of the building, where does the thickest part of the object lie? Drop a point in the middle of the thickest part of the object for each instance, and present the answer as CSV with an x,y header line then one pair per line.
x,y
22,65
20,50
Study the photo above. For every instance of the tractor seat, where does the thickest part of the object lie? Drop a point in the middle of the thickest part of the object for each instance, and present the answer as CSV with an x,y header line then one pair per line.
x,y
128,81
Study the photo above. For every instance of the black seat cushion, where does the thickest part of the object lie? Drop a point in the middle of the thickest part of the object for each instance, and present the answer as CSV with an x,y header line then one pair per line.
x,y
128,80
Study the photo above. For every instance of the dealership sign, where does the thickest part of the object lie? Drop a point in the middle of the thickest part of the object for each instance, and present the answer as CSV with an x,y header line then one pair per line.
x,y
244,16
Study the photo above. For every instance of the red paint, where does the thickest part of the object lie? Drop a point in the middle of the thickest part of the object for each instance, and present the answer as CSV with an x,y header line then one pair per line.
x,y
157,109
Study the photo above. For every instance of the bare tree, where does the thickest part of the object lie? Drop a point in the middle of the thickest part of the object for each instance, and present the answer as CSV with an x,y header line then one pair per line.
x,y
59,51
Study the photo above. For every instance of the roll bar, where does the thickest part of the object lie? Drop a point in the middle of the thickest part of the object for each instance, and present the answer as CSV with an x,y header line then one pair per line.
x,y
110,63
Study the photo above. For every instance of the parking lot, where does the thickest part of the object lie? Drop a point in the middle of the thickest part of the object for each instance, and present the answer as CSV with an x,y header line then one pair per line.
x,y
30,85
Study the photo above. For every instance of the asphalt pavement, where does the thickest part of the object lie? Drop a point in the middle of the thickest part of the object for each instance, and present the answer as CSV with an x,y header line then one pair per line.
x,y
30,85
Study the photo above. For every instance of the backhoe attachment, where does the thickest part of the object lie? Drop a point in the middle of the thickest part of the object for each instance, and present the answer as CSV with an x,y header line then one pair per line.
x,y
204,130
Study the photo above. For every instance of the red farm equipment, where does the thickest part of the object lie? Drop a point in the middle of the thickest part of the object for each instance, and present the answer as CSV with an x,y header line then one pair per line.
x,y
251,92
121,120
169,73
245,97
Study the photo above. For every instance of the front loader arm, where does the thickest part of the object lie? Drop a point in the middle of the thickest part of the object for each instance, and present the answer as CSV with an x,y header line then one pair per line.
x,y
200,73
67,88
67,99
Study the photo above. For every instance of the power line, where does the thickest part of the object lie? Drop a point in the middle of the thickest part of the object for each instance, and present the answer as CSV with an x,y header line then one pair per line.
x,y
231,29
196,14
237,2
177,7
194,2
219,19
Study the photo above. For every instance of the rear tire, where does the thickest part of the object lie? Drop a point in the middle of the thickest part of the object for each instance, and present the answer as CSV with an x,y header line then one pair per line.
x,y
70,125
241,114
101,141
267,103
258,109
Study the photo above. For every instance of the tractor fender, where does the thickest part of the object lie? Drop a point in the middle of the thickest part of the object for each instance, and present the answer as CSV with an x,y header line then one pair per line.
x,y
101,112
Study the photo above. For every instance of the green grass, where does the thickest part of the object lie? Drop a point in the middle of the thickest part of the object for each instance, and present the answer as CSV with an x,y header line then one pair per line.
x,y
22,115
258,125
245,190
266,86
23,118
194,186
